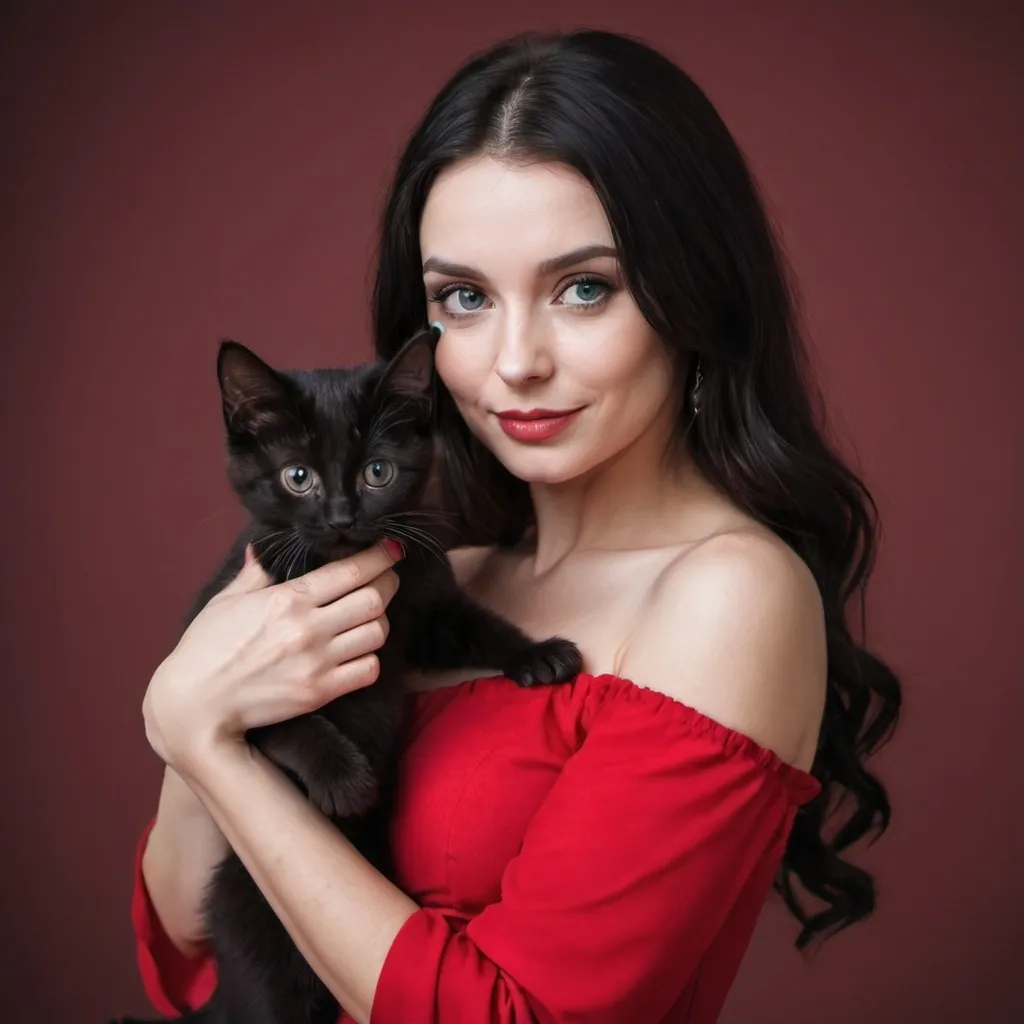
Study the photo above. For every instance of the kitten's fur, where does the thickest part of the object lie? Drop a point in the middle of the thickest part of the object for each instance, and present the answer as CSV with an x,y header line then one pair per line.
x,y
342,428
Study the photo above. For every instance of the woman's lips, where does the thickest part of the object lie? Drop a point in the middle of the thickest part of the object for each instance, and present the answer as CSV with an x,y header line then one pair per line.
x,y
536,424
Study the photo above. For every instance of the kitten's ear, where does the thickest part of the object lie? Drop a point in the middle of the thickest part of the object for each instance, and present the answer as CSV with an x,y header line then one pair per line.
x,y
410,374
253,394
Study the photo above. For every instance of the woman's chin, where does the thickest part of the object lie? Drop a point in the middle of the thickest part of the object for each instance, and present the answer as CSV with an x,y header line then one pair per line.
x,y
542,467
551,462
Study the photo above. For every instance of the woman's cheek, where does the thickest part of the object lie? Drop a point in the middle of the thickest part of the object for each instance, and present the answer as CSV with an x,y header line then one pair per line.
x,y
443,364
455,367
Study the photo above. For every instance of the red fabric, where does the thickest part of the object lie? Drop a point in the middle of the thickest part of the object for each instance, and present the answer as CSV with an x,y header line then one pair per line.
x,y
594,852
173,981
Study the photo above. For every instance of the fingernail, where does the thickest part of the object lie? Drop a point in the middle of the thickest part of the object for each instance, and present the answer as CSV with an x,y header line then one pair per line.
x,y
394,548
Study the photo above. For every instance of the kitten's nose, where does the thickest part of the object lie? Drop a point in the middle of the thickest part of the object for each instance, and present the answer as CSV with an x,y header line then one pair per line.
x,y
340,522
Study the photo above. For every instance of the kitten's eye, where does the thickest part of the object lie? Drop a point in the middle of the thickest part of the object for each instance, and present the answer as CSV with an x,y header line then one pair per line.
x,y
298,479
378,473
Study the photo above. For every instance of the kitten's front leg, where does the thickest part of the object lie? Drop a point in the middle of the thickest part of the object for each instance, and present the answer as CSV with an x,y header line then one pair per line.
x,y
334,772
456,632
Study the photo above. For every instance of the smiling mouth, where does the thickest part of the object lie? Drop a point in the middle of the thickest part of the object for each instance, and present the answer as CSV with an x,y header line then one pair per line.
x,y
536,424
536,414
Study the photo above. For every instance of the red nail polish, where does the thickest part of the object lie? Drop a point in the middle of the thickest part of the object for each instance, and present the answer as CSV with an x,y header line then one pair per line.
x,y
394,548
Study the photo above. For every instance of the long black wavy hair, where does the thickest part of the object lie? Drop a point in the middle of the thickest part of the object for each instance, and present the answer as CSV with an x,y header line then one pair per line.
x,y
703,266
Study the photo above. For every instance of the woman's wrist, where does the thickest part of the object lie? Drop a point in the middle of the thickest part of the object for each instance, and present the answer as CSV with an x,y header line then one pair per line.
x,y
188,747
200,763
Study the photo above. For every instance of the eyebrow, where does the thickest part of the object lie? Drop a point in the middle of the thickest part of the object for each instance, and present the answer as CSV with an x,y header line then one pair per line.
x,y
551,266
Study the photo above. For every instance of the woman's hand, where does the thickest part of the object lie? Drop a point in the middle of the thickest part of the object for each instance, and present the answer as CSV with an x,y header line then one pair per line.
x,y
259,654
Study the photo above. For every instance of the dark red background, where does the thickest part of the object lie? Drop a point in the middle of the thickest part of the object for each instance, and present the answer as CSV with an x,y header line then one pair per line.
x,y
175,172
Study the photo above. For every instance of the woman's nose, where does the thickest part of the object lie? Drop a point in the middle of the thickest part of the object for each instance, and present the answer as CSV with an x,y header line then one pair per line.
x,y
524,355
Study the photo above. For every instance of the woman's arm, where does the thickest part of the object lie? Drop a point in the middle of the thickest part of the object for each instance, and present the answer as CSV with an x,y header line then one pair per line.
x,y
342,914
181,852
255,655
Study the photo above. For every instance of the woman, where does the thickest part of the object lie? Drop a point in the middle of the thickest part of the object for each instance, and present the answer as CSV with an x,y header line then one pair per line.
x,y
629,437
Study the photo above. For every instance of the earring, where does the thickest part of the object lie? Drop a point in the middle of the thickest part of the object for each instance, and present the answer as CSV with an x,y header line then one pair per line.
x,y
695,394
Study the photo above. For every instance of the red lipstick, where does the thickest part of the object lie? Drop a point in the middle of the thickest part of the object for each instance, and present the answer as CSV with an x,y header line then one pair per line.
x,y
536,424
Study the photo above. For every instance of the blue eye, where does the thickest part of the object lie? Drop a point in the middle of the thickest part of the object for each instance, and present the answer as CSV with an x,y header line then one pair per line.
x,y
459,299
468,300
588,293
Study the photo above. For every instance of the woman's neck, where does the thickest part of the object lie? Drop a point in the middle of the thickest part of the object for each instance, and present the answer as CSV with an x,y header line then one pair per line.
x,y
641,498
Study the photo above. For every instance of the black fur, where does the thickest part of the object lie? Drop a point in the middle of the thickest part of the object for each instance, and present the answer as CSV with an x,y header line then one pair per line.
x,y
334,431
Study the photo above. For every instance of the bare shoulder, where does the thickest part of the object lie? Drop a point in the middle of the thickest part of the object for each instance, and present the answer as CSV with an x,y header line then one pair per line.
x,y
734,627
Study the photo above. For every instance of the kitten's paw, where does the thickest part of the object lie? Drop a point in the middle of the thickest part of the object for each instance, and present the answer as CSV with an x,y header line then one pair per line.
x,y
342,783
347,796
554,660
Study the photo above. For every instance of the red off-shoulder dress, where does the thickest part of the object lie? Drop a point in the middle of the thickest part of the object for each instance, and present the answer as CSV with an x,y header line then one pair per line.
x,y
592,852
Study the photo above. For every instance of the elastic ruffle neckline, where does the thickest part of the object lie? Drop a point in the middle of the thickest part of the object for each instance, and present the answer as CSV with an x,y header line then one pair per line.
x,y
601,687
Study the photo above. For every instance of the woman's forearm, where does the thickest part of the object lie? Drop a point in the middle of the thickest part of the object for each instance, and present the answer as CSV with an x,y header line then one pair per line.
x,y
342,914
183,848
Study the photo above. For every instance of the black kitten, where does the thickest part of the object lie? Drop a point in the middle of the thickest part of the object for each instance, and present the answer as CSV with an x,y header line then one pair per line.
x,y
328,462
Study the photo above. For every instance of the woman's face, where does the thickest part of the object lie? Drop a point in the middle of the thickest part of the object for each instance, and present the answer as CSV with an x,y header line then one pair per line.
x,y
544,351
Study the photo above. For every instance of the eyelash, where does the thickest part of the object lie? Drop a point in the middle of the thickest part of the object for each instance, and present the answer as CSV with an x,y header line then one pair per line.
x,y
456,286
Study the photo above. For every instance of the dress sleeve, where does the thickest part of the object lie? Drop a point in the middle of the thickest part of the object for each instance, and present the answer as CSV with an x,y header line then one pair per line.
x,y
624,877
173,982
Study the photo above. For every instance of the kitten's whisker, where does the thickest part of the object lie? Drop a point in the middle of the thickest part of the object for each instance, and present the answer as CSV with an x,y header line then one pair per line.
x,y
426,513
428,538
392,415
283,549
419,537
433,518
274,561
408,539
286,530
381,425
432,544
391,420
287,560
401,533
297,563
302,560
270,551
272,540
280,552
275,538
